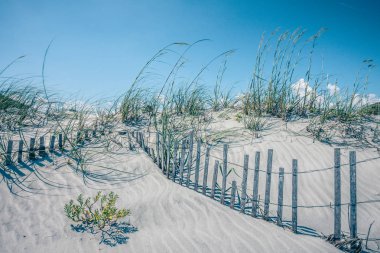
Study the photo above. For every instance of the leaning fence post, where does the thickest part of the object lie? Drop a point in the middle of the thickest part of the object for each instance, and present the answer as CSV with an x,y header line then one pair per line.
x,y
205,171
190,159
224,174
197,165
255,201
60,141
244,184
20,148
52,143
32,154
182,161
294,195
280,196
353,215
8,159
268,181
41,149
214,179
337,195
233,194
175,160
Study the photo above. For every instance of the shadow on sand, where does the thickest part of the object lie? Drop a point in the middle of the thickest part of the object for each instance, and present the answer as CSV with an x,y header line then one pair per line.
x,y
112,235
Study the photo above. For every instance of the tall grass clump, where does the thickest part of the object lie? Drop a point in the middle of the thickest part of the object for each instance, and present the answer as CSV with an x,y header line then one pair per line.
x,y
272,91
219,99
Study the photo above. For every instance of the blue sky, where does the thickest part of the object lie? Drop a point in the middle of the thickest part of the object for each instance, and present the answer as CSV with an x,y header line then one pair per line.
x,y
99,46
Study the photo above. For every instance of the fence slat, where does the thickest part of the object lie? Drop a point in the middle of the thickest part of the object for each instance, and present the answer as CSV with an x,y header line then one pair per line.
x,y
8,159
214,179
233,194
337,195
224,173
52,143
162,142
267,185
353,214
280,196
205,171
190,159
197,164
41,149
244,184
60,141
174,169
182,161
129,141
32,154
78,137
294,195
158,149
168,158
255,200
20,149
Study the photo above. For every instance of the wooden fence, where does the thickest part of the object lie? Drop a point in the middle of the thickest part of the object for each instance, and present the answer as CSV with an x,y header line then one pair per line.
x,y
176,159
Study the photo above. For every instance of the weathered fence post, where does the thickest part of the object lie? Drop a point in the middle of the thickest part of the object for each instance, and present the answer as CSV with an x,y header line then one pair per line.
x,y
162,141
129,141
294,195
182,161
280,196
255,201
353,215
214,179
233,194
78,137
224,173
267,185
86,135
168,157
190,159
337,195
175,160
32,154
8,159
20,149
205,171
52,143
158,148
142,144
244,184
60,141
41,149
197,165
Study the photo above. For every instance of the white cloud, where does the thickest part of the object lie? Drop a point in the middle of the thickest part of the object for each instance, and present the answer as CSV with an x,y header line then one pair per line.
x,y
372,98
333,89
368,99
301,87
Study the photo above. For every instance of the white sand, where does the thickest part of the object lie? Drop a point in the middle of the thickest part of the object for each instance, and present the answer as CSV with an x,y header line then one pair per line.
x,y
172,218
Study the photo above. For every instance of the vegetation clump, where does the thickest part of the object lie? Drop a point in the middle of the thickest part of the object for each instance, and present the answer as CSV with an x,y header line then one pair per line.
x,y
99,211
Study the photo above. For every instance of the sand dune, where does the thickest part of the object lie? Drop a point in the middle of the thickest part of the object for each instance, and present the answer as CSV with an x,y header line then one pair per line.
x,y
169,217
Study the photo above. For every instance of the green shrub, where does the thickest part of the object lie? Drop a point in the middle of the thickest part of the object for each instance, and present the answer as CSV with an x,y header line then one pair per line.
x,y
99,211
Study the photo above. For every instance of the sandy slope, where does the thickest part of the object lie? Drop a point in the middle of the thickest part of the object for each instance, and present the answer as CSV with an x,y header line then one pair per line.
x,y
315,188
169,218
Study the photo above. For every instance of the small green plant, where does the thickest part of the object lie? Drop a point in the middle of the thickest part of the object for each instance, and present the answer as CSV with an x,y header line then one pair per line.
x,y
255,123
99,211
